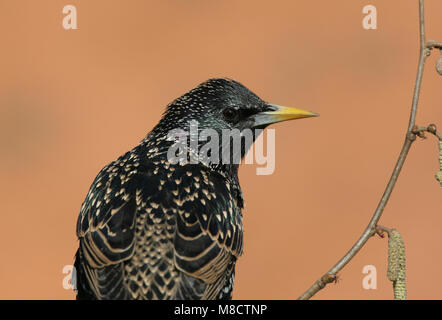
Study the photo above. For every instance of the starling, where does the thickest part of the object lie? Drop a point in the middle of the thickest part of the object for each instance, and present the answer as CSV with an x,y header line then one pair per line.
x,y
150,228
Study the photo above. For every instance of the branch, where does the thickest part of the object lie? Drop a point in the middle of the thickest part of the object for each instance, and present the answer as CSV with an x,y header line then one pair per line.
x,y
410,137
431,128
431,44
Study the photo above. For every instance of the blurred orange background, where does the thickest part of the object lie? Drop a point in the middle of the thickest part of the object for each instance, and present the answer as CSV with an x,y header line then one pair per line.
x,y
71,101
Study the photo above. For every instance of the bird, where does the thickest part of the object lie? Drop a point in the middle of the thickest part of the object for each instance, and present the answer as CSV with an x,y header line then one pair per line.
x,y
150,228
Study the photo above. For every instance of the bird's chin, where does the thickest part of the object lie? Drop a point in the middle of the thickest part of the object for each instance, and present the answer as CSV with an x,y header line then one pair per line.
x,y
262,120
253,123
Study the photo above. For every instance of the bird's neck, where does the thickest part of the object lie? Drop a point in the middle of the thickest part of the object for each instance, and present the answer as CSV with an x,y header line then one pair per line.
x,y
157,146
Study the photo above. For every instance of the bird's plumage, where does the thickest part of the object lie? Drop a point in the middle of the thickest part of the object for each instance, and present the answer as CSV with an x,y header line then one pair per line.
x,y
151,229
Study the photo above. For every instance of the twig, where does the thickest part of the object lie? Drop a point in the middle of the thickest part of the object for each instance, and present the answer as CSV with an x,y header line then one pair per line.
x,y
410,137
381,229
431,128
434,44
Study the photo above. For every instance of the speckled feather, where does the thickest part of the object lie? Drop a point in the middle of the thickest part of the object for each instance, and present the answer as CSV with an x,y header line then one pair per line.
x,y
149,229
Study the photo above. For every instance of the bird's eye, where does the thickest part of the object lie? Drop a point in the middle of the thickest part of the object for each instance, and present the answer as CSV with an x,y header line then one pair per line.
x,y
229,114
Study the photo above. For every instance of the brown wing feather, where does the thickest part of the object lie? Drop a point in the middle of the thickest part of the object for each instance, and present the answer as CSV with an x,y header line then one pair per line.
x,y
150,230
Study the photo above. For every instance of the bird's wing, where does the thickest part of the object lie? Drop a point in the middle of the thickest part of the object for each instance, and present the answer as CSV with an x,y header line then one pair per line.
x,y
209,232
106,225
106,230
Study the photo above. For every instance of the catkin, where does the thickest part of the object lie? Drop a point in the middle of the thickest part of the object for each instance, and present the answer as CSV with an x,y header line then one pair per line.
x,y
439,174
396,264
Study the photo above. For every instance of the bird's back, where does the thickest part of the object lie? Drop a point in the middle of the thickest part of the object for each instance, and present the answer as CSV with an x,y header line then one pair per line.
x,y
149,229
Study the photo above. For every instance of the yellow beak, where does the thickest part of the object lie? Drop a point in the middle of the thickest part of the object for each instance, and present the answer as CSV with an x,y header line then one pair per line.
x,y
287,113
280,113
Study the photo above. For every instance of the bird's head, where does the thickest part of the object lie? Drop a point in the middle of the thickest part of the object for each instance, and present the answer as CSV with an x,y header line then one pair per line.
x,y
223,104
227,104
